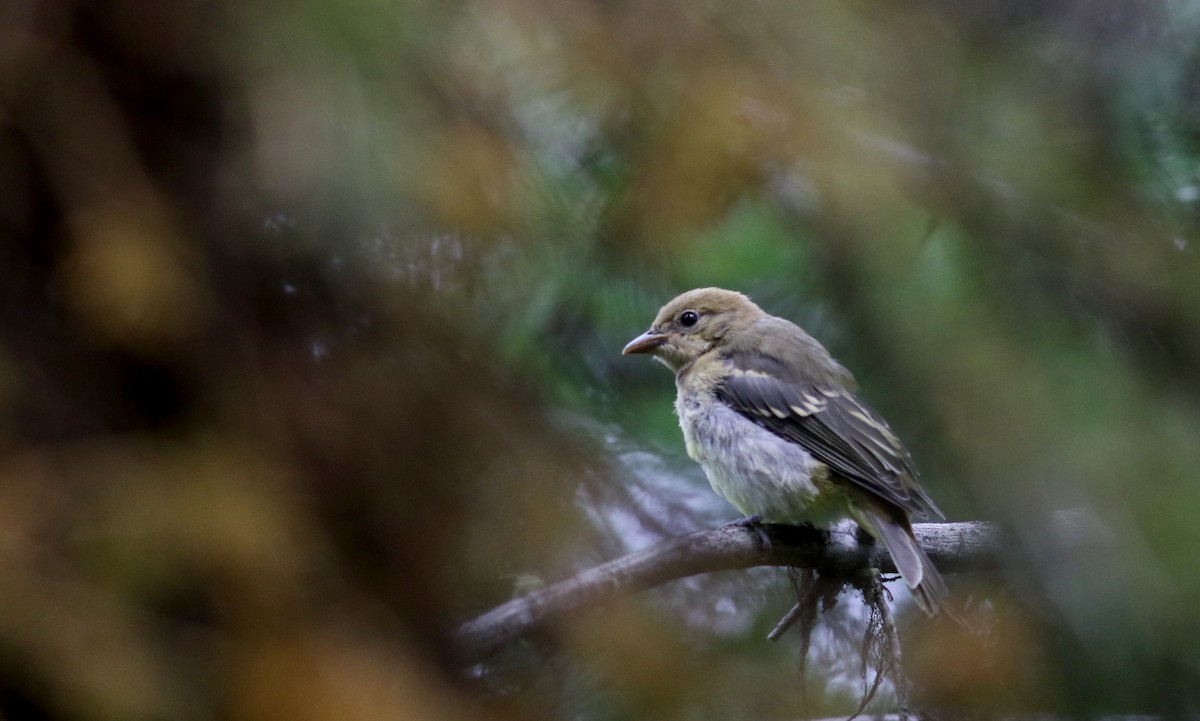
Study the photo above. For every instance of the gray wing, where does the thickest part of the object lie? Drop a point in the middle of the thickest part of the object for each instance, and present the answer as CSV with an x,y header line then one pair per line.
x,y
831,424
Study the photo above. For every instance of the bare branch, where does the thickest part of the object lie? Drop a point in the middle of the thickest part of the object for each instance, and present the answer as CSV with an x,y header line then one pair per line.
x,y
952,546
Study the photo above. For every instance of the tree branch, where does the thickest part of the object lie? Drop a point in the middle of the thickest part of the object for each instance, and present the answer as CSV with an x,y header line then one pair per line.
x,y
951,546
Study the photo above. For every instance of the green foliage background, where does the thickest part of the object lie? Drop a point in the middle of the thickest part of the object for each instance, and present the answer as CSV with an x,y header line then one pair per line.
x,y
309,343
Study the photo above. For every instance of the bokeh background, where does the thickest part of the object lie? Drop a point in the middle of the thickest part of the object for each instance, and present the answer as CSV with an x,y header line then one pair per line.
x,y
311,317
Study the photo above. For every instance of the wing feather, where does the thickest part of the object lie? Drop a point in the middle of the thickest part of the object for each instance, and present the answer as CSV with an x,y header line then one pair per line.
x,y
831,424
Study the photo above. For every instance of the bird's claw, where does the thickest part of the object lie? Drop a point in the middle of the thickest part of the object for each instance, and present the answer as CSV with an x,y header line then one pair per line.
x,y
754,523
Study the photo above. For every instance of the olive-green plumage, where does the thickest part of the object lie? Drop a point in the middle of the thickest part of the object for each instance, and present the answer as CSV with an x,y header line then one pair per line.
x,y
773,420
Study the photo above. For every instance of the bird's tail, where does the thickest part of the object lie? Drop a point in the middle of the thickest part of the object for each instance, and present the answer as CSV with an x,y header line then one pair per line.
x,y
918,572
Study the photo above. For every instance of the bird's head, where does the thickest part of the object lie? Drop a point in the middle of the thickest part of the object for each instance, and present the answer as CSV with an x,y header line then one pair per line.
x,y
693,324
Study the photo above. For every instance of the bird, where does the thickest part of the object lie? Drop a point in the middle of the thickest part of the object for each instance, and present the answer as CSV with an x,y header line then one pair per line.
x,y
775,423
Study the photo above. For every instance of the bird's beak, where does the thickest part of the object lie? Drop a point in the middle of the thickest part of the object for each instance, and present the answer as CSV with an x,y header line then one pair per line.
x,y
647,342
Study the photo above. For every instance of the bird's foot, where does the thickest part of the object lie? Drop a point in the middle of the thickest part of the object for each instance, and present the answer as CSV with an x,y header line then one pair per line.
x,y
746,522
754,523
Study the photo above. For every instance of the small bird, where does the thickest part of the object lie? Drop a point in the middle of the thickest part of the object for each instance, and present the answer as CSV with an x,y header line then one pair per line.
x,y
773,420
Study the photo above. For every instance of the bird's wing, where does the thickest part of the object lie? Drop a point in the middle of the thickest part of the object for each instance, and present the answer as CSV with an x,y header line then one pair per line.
x,y
831,424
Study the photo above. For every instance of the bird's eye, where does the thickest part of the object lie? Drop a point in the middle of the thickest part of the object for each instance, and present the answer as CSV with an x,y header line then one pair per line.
x,y
688,318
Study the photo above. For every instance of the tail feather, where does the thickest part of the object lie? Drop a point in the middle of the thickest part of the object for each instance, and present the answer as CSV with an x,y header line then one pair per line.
x,y
919,574
931,593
